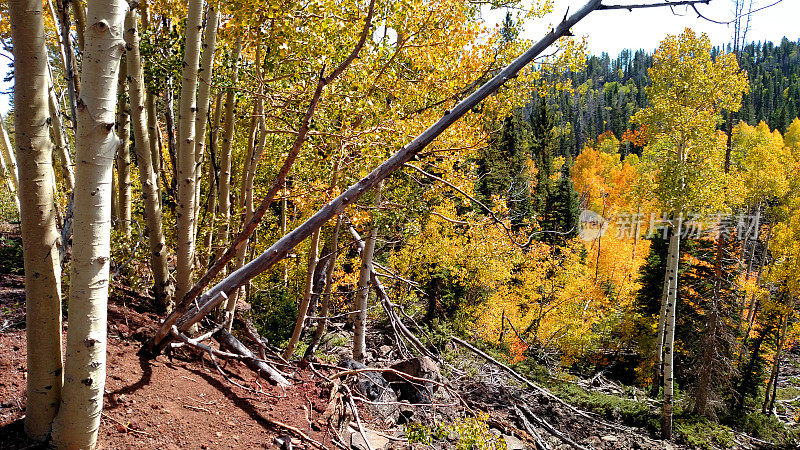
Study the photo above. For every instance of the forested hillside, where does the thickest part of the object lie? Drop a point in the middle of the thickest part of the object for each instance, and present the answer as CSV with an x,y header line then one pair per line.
x,y
608,92
364,222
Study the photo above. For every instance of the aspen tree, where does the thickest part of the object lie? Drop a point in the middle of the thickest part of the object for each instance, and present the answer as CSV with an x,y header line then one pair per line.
x,y
60,138
123,155
224,193
5,172
147,174
187,111
203,98
360,315
38,216
10,162
78,419
683,157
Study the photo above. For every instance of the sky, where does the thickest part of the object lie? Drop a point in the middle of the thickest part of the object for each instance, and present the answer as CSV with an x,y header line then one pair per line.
x,y
615,30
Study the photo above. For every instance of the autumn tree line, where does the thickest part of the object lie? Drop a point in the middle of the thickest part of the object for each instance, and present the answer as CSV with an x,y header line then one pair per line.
x,y
262,165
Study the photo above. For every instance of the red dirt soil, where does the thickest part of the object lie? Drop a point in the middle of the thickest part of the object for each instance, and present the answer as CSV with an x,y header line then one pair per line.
x,y
161,403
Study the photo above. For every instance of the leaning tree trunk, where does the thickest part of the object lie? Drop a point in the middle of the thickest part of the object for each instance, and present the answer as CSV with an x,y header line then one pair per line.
x,y
10,164
769,392
147,173
673,260
360,315
78,419
38,218
187,110
123,156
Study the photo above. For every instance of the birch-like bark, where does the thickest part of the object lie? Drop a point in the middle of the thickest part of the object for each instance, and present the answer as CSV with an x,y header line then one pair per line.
x,y
213,177
224,201
246,197
78,418
38,217
313,259
187,111
5,173
123,155
60,139
153,134
10,158
204,97
673,261
360,315
79,9
162,288
659,354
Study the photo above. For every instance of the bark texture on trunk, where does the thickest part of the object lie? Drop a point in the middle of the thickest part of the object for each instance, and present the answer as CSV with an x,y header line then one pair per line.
x,y
673,261
78,419
151,194
38,216
360,315
9,163
187,111
123,155
224,200
203,98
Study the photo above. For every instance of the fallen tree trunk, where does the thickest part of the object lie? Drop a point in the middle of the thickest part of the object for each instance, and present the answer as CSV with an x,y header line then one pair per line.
x,y
230,342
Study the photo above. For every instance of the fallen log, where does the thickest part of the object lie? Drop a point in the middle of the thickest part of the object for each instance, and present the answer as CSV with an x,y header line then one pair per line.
x,y
535,386
230,342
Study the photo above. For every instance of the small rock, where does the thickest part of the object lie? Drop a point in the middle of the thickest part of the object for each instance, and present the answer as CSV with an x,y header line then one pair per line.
x,y
385,350
512,443
610,438
377,441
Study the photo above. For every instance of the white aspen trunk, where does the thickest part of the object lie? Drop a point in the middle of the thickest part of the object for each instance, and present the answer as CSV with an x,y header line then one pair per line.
x,y
114,197
245,201
9,165
79,10
60,138
203,98
151,193
224,201
78,418
123,156
659,355
39,235
10,158
360,315
153,134
186,181
213,175
6,174
673,261
313,258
